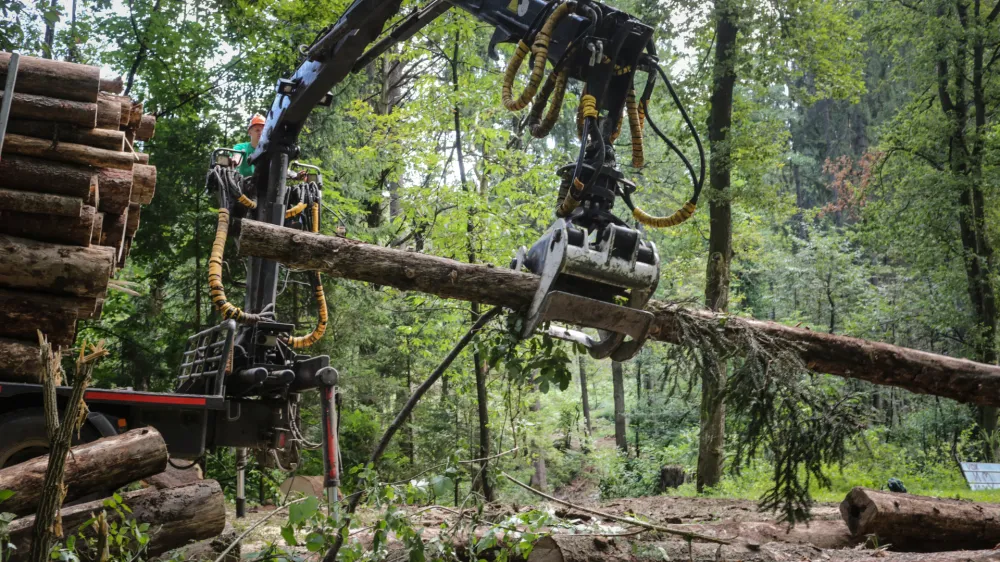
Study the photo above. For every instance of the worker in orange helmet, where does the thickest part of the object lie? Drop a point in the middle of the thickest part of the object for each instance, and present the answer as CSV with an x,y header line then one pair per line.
x,y
254,129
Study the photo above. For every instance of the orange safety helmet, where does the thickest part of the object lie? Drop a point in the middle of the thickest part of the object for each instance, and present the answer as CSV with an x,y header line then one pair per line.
x,y
257,119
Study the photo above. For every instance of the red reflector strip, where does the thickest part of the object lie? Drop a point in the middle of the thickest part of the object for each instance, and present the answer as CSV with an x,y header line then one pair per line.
x,y
144,398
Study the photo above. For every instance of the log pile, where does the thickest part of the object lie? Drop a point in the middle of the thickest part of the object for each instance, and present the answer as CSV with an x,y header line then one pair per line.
x,y
178,517
72,185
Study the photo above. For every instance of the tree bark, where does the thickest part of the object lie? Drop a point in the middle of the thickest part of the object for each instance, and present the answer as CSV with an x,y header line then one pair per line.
x,y
875,362
618,384
109,113
97,227
208,549
176,516
132,220
581,361
19,361
111,85
921,524
113,231
712,434
67,152
49,268
58,79
40,203
106,464
116,189
98,138
75,231
31,106
144,184
24,173
22,314
146,128
124,104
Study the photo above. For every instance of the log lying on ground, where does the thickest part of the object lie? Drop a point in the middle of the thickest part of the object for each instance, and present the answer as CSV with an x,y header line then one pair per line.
x,y
106,464
66,80
31,106
19,362
208,549
98,138
177,517
67,152
879,363
50,268
25,173
921,524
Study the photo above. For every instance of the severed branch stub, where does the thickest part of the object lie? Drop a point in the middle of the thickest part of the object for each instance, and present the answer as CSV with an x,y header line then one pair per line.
x,y
48,522
687,535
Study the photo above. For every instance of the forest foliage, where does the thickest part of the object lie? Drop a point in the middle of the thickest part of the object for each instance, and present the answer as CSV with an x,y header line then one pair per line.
x,y
865,160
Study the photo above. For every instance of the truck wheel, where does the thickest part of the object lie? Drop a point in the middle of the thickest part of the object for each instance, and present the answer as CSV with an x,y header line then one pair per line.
x,y
23,436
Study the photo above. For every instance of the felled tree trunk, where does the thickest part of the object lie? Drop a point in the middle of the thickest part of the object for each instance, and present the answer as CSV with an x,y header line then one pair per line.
x,y
113,231
40,203
33,174
116,189
20,362
144,184
146,128
49,268
98,138
105,464
921,524
208,549
21,314
176,516
66,80
109,113
76,231
31,106
879,363
67,152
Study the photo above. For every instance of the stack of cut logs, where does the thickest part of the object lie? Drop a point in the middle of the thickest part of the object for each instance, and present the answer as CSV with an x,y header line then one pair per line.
x,y
182,510
71,187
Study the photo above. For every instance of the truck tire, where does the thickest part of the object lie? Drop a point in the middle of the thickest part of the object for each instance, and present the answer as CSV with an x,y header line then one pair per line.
x,y
23,436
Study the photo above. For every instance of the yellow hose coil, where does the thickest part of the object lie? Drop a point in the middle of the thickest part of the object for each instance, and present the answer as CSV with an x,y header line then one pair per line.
x,y
317,333
635,126
540,53
215,288
295,210
247,202
679,216
542,127
570,202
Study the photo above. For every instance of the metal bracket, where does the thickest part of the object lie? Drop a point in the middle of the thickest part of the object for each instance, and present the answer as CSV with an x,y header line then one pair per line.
x,y
563,256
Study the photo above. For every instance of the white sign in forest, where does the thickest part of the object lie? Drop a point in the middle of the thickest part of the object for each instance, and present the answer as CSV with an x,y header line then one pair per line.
x,y
981,475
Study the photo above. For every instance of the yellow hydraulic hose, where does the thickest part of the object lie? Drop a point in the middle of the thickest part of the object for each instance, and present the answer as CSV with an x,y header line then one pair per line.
x,y
540,53
635,127
317,333
216,290
679,216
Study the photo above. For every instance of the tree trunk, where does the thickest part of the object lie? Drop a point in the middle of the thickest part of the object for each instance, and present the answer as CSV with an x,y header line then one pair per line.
x,y
77,231
146,128
921,524
67,152
49,268
116,189
132,220
113,232
31,106
106,464
618,382
176,516
875,362
109,113
144,183
22,314
208,549
19,361
540,479
40,203
111,85
98,138
31,174
711,437
57,79
581,361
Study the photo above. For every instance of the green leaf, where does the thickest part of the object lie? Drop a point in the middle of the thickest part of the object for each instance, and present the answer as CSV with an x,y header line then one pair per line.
x,y
6,495
442,485
315,542
303,510
288,534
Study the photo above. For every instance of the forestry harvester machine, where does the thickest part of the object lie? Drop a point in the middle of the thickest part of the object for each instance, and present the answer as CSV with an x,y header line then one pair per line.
x,y
240,382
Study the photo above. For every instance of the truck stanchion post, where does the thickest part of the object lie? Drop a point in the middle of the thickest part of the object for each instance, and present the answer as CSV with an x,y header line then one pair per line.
x,y
241,482
331,451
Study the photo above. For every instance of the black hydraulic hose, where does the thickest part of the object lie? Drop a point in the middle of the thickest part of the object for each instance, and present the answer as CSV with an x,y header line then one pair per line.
x,y
687,164
400,419
694,132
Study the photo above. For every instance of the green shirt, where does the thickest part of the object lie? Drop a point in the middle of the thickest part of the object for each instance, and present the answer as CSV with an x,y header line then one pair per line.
x,y
246,168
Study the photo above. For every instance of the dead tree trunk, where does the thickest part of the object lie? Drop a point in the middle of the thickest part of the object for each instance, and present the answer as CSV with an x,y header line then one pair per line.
x,y
621,427
879,363
37,266
177,516
58,79
32,174
581,361
105,464
921,524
